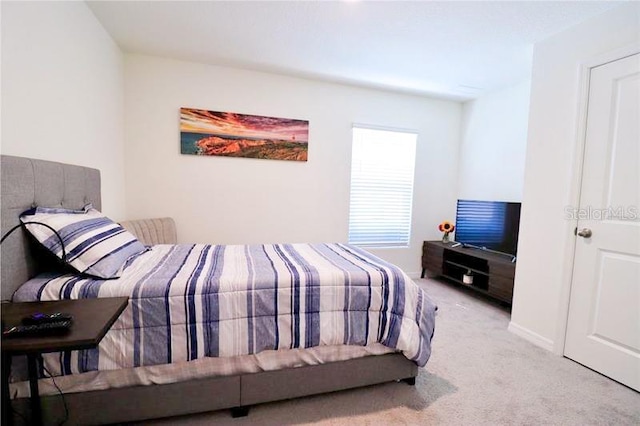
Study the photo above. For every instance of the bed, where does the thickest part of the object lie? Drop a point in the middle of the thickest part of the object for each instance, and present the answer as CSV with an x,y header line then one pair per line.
x,y
377,333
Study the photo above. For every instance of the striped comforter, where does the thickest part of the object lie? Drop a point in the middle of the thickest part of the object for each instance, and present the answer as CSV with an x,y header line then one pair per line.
x,y
193,301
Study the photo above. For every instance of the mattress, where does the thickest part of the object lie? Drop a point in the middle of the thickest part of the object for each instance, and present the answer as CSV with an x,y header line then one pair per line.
x,y
193,302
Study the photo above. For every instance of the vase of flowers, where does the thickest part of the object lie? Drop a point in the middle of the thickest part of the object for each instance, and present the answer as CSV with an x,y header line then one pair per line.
x,y
446,227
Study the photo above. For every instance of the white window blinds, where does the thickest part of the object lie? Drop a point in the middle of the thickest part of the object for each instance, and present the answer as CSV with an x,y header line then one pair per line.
x,y
382,167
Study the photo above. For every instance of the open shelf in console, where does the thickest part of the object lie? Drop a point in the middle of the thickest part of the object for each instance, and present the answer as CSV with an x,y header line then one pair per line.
x,y
456,264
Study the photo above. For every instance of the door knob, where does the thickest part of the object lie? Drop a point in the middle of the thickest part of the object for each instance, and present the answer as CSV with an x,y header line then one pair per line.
x,y
585,233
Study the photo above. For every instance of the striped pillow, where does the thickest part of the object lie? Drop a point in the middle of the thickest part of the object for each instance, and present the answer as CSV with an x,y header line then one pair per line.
x,y
94,244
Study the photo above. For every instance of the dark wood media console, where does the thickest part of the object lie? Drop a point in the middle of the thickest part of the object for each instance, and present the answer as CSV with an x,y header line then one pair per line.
x,y
493,274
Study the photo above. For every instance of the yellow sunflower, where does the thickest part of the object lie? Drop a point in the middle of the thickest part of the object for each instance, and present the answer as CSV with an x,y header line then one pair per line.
x,y
446,227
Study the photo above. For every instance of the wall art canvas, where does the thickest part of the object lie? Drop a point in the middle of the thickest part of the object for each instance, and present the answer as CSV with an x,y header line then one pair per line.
x,y
230,134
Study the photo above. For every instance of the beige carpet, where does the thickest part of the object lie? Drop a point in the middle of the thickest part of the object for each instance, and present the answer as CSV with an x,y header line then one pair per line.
x,y
479,374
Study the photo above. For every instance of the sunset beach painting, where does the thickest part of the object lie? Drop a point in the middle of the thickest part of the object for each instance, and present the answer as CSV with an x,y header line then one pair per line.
x,y
230,134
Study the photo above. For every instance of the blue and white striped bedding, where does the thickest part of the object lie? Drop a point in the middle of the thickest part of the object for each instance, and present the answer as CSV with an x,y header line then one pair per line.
x,y
193,301
93,243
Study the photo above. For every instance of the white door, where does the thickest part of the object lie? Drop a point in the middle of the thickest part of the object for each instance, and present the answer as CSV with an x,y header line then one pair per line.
x,y
603,329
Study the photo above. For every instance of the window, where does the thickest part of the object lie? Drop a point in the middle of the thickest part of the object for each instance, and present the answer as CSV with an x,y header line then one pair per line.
x,y
382,168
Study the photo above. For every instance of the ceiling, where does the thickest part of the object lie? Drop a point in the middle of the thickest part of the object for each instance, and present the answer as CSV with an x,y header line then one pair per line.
x,y
453,50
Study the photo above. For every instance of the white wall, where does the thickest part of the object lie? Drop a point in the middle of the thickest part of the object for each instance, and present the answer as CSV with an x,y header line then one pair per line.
x,y
62,91
544,251
493,146
239,200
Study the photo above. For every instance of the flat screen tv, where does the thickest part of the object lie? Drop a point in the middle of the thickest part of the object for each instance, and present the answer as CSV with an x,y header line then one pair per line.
x,y
491,225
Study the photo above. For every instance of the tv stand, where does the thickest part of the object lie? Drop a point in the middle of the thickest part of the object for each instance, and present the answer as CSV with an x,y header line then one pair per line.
x,y
492,272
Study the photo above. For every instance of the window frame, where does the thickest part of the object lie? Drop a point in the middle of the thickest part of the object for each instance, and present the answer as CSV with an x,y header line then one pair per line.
x,y
409,212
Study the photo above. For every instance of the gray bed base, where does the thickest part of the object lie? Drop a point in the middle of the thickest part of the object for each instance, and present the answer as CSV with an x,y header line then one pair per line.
x,y
235,392
28,182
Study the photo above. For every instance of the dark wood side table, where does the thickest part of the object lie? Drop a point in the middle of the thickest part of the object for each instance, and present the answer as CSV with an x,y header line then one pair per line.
x,y
92,318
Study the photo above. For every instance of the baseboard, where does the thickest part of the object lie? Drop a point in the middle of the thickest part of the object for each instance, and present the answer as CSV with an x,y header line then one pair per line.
x,y
530,336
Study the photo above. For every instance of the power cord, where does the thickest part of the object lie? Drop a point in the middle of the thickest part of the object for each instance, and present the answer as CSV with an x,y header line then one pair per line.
x,y
63,257
64,253
24,419
64,401
22,224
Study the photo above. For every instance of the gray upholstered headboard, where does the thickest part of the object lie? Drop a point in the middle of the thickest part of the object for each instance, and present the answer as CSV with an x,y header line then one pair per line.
x,y
26,183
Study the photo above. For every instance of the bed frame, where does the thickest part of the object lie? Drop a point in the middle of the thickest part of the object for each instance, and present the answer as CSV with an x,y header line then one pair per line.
x,y
28,182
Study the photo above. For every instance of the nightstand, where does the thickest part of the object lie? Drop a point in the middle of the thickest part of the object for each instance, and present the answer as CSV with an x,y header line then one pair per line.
x,y
92,318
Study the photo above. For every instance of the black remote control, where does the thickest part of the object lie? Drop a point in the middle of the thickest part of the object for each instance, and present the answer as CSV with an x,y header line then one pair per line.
x,y
47,328
40,318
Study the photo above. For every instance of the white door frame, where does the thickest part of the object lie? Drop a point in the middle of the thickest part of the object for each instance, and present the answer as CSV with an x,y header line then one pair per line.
x,y
576,182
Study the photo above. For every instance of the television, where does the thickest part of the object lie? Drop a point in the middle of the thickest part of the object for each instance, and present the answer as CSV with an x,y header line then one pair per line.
x,y
491,225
